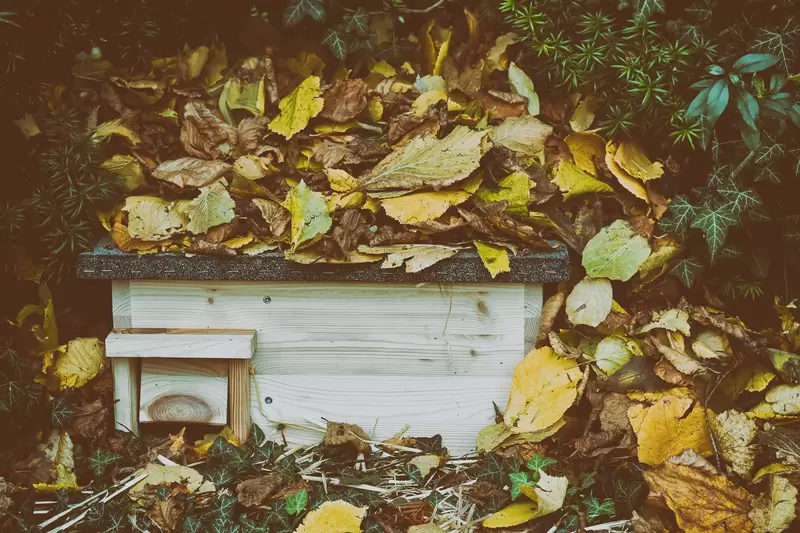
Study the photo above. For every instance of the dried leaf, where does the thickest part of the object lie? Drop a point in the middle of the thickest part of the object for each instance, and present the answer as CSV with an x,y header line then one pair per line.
x,y
586,149
190,171
702,503
616,252
298,107
614,352
212,207
632,160
670,320
543,387
126,167
631,184
525,135
495,258
344,100
79,362
514,189
547,497
417,257
310,217
734,434
589,303
333,517
423,206
572,181
775,510
28,126
522,85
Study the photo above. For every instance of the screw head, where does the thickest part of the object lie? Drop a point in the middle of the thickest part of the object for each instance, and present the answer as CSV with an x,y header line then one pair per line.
x,y
267,299
267,400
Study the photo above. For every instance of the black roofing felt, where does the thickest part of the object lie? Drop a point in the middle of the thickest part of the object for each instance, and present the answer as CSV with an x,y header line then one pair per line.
x,y
107,262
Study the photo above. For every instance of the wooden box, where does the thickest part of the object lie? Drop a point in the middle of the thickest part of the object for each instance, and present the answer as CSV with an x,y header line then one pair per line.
x,y
346,343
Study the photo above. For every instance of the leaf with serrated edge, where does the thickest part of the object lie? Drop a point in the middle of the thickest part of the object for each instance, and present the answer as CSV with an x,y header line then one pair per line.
x,y
309,211
525,135
428,162
589,303
615,252
212,207
298,107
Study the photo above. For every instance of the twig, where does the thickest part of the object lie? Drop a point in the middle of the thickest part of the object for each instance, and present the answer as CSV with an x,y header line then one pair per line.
x,y
333,481
738,170
70,523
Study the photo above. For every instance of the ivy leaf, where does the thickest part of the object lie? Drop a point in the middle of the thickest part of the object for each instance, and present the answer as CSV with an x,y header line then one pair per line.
x,y
192,524
645,8
358,22
679,216
714,222
212,207
298,107
687,270
61,411
517,479
297,10
739,201
101,459
230,456
595,508
296,502
116,522
538,463
335,41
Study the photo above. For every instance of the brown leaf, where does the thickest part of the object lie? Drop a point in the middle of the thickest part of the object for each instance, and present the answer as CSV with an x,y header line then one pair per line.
x,y
350,230
89,420
253,492
36,468
611,409
330,154
390,235
220,233
589,219
344,100
650,523
167,513
274,214
190,171
499,107
204,134
349,436
250,131
406,126
200,246
123,240
667,371
701,503
442,225
550,310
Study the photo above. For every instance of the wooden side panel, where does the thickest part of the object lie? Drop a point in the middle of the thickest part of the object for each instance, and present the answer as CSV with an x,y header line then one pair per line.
x,y
121,303
533,314
196,344
182,390
457,407
126,394
239,398
350,329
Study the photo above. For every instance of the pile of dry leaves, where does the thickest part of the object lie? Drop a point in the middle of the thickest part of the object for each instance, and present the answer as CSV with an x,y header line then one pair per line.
x,y
631,387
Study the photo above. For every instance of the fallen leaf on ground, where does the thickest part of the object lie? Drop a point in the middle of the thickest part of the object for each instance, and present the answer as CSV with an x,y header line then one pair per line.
x,y
780,400
670,320
79,361
212,207
701,503
589,303
309,211
166,475
631,184
151,218
615,352
522,85
298,107
416,257
543,387
734,434
633,161
494,258
525,135
775,510
546,497
190,171
573,181
616,252
515,189
333,517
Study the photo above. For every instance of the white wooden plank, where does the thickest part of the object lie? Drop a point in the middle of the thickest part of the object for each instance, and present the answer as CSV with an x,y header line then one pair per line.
x,y
350,328
182,390
195,344
125,373
121,303
533,314
239,398
456,407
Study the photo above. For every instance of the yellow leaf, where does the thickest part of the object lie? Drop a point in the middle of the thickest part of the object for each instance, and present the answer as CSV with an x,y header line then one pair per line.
x,y
426,463
346,200
425,100
495,258
375,107
422,206
115,127
383,68
306,64
128,168
669,427
770,469
79,361
664,250
239,242
547,497
196,62
340,180
734,433
512,515
416,257
586,148
631,184
496,56
525,135
781,400
491,437
514,189
217,62
774,511
572,181
250,167
310,216
202,446
336,127
166,475
543,387
702,503
45,332
333,517
534,436
297,108
633,161
435,42
28,126
59,450
583,116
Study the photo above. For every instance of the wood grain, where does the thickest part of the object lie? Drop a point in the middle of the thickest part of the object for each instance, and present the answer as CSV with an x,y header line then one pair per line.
x,y
194,344
187,391
533,314
350,329
239,398
455,407
121,303
126,394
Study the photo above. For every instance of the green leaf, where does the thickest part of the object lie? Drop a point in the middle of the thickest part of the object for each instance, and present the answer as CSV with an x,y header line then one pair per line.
x,y
714,222
296,502
428,162
192,524
61,411
595,508
522,85
310,216
717,102
755,63
212,207
750,136
297,10
590,302
679,216
335,41
539,463
748,108
615,352
231,456
615,252
101,460
358,22
698,106
739,200
517,479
